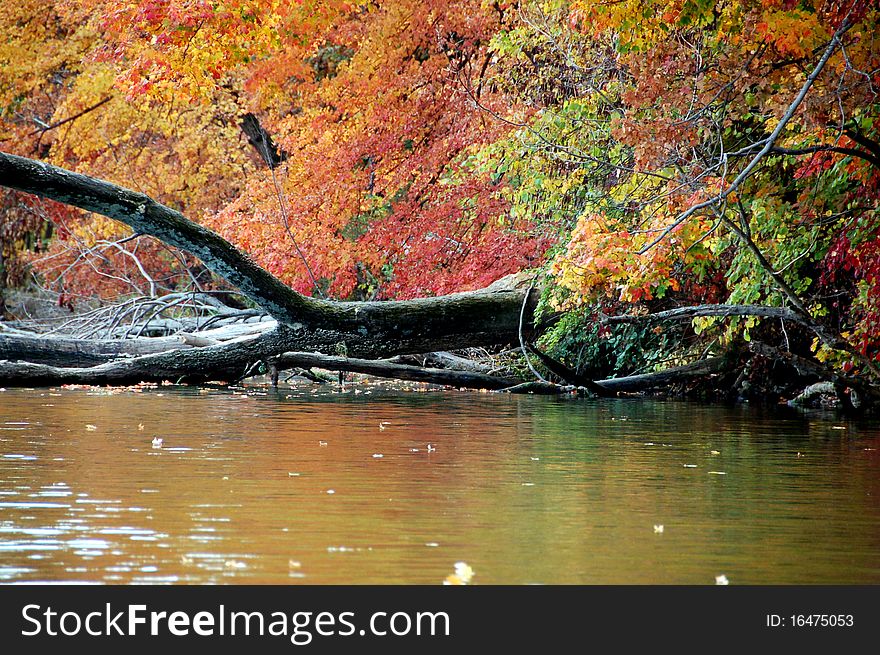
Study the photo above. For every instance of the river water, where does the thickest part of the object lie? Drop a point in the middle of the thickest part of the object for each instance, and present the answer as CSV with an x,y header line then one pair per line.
x,y
372,485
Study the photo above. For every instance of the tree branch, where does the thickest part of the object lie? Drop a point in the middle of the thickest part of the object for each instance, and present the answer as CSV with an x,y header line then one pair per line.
x,y
768,142
687,313
685,373
387,369
631,383
46,128
863,141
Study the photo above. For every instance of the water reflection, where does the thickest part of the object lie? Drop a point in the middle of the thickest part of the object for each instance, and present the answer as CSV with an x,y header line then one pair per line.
x,y
255,486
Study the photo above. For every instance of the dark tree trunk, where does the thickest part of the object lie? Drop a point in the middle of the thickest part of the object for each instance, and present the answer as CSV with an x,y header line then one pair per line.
x,y
262,141
80,352
2,284
486,317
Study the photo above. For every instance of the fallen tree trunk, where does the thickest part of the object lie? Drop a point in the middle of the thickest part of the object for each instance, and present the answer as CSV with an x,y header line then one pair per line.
x,y
306,332
231,361
387,369
71,353
539,388
674,375
487,317
59,351
447,360
631,383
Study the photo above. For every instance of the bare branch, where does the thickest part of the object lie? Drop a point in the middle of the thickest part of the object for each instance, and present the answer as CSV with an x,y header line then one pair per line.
x,y
45,128
688,313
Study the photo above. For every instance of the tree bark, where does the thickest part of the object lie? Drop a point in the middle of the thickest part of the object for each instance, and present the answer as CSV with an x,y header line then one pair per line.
x,y
80,352
225,362
72,353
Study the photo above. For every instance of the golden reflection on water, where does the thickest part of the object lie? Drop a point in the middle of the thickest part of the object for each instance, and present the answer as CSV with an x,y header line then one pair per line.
x,y
254,486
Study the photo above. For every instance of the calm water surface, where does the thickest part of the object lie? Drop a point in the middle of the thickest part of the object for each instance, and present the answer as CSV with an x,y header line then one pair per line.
x,y
254,486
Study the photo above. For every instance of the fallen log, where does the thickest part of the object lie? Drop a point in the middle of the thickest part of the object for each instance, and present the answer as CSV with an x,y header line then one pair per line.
x,y
387,369
456,362
66,352
486,317
631,383
677,374
226,362
375,330
309,332
539,388
230,362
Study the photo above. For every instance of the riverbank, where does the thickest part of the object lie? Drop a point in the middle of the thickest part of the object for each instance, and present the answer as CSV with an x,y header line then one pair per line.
x,y
120,344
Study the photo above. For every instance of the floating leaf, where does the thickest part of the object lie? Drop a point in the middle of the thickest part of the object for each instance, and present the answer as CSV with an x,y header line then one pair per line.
x,y
462,576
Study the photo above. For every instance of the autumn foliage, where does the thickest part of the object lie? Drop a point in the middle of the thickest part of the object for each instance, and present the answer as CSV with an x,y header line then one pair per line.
x,y
646,153
371,103
647,111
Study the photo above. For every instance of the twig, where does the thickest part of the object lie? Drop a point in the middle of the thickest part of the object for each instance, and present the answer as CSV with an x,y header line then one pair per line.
x,y
46,128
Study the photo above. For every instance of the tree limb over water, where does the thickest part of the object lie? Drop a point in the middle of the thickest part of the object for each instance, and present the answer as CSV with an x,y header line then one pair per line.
x,y
484,317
